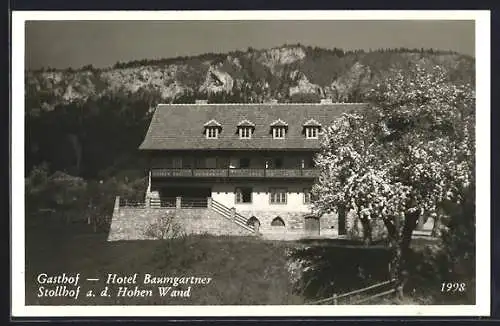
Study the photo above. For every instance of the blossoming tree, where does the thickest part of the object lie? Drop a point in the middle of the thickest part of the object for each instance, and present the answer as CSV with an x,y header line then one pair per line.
x,y
399,160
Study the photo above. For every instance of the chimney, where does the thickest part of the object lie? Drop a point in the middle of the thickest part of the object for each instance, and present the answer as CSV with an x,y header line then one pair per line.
x,y
201,102
326,101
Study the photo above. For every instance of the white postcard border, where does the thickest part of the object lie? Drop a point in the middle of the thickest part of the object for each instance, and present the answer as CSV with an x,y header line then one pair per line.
x,y
482,54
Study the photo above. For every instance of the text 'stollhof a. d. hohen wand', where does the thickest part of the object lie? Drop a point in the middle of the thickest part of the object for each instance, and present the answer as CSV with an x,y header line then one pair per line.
x,y
116,285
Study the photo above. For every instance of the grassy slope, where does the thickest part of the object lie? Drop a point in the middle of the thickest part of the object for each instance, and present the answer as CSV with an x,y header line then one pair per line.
x,y
244,271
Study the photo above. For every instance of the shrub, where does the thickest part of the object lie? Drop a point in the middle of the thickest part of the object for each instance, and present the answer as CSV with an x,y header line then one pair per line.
x,y
458,236
165,227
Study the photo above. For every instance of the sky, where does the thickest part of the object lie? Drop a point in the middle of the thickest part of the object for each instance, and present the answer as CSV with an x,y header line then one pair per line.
x,y
63,44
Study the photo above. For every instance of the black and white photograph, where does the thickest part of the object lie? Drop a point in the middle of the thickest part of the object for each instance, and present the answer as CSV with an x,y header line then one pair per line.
x,y
250,163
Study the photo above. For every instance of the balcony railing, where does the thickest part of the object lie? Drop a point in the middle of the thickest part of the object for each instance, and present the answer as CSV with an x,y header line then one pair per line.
x,y
234,173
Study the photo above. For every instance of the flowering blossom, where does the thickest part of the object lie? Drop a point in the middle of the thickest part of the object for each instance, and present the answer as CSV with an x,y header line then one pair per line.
x,y
409,152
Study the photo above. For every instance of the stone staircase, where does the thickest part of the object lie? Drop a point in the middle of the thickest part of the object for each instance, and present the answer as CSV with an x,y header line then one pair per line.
x,y
230,214
155,202
132,222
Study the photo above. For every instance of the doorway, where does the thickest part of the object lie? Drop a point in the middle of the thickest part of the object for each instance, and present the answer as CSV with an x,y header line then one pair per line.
x,y
311,224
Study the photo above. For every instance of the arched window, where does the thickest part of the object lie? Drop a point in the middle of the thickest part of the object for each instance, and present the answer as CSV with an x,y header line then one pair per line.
x,y
278,221
254,222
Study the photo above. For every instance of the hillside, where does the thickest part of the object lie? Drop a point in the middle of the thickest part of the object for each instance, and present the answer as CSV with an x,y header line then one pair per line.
x,y
89,121
254,76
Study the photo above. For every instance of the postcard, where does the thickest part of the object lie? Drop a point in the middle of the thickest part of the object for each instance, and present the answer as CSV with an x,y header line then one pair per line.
x,y
250,163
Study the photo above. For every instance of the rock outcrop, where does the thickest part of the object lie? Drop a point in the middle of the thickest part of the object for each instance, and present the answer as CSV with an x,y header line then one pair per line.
x,y
254,75
304,86
216,81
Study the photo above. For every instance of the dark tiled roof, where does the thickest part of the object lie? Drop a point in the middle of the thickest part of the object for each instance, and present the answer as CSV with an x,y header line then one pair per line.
x,y
182,126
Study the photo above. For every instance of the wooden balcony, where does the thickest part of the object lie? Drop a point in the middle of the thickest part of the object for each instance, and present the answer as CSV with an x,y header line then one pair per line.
x,y
234,173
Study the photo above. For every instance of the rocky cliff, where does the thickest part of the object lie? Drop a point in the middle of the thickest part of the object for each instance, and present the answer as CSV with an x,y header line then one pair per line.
x,y
286,73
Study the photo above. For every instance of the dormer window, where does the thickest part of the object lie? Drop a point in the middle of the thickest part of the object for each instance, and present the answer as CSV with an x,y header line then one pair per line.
x,y
312,132
278,129
245,132
279,132
212,129
245,129
312,129
212,132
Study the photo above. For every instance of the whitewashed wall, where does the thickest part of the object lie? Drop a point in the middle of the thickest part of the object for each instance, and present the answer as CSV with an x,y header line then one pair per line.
x,y
225,194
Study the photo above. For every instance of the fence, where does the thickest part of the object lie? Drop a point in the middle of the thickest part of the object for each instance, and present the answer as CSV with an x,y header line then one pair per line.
x,y
380,290
194,202
168,202
235,173
124,202
165,202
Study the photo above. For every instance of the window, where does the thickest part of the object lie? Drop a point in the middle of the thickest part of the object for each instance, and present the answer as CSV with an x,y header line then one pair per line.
x,y
279,132
277,221
277,196
244,163
312,132
169,162
278,163
187,163
307,196
307,163
212,132
222,162
245,129
254,222
312,128
200,163
245,132
177,163
210,162
243,195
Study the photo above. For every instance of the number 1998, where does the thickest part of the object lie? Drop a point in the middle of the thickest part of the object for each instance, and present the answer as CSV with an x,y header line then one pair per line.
x,y
453,287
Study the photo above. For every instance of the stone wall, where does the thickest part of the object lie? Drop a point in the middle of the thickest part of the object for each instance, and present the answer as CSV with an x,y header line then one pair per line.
x,y
203,220
132,223
294,224
355,227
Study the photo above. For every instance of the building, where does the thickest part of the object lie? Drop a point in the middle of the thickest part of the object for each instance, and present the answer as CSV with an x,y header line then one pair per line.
x,y
253,164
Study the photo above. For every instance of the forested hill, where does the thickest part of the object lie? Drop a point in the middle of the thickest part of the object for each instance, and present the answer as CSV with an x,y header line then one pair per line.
x,y
89,122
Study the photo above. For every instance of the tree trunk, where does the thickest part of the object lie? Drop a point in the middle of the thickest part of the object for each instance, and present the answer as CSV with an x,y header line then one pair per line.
x,y
400,240
410,223
367,231
421,222
342,220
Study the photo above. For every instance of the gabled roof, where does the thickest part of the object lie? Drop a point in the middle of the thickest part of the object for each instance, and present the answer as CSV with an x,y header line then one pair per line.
x,y
279,123
246,123
180,126
212,123
312,123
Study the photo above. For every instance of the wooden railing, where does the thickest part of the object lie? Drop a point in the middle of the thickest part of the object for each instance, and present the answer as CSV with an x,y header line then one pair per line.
x,y
166,202
378,290
230,214
187,203
163,202
194,202
124,202
234,173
